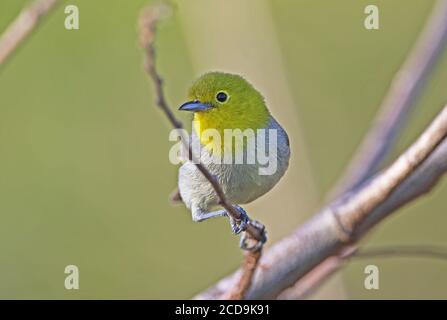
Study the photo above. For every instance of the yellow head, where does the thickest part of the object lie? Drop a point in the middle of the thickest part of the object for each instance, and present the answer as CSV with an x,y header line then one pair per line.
x,y
225,101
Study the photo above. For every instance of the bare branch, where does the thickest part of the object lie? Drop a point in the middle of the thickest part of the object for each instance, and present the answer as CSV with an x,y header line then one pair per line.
x,y
311,281
337,226
379,188
398,102
308,284
347,219
389,122
255,232
22,27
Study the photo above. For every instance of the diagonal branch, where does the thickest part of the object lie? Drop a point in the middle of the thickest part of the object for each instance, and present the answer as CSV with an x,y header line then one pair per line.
x,y
389,122
307,285
398,102
19,30
347,219
377,144
255,232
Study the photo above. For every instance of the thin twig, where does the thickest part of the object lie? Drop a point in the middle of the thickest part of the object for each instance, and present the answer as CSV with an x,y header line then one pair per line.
x,y
25,23
249,266
390,120
255,231
402,252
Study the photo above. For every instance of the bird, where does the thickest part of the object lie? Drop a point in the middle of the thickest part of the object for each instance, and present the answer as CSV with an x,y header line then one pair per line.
x,y
224,103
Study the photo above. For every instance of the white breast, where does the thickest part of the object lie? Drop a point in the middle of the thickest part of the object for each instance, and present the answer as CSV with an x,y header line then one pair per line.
x,y
241,183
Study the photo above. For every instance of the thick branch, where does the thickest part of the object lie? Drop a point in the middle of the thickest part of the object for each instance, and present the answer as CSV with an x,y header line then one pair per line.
x,y
389,122
397,104
351,216
22,27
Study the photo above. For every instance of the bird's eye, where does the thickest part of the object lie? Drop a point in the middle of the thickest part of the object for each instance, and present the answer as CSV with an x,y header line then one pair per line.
x,y
221,97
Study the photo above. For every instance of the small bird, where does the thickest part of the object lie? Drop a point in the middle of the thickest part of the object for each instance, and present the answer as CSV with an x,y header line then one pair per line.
x,y
222,101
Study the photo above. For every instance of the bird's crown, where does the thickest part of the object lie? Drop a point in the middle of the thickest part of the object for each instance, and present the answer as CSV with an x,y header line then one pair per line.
x,y
230,102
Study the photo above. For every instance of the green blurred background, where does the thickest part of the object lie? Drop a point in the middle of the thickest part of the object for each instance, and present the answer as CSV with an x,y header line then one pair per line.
x,y
84,170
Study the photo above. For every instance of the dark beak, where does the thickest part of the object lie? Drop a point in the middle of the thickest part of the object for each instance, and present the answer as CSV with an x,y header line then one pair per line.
x,y
195,106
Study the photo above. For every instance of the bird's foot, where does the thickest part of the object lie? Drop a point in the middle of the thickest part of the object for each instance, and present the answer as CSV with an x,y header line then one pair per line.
x,y
237,226
249,243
